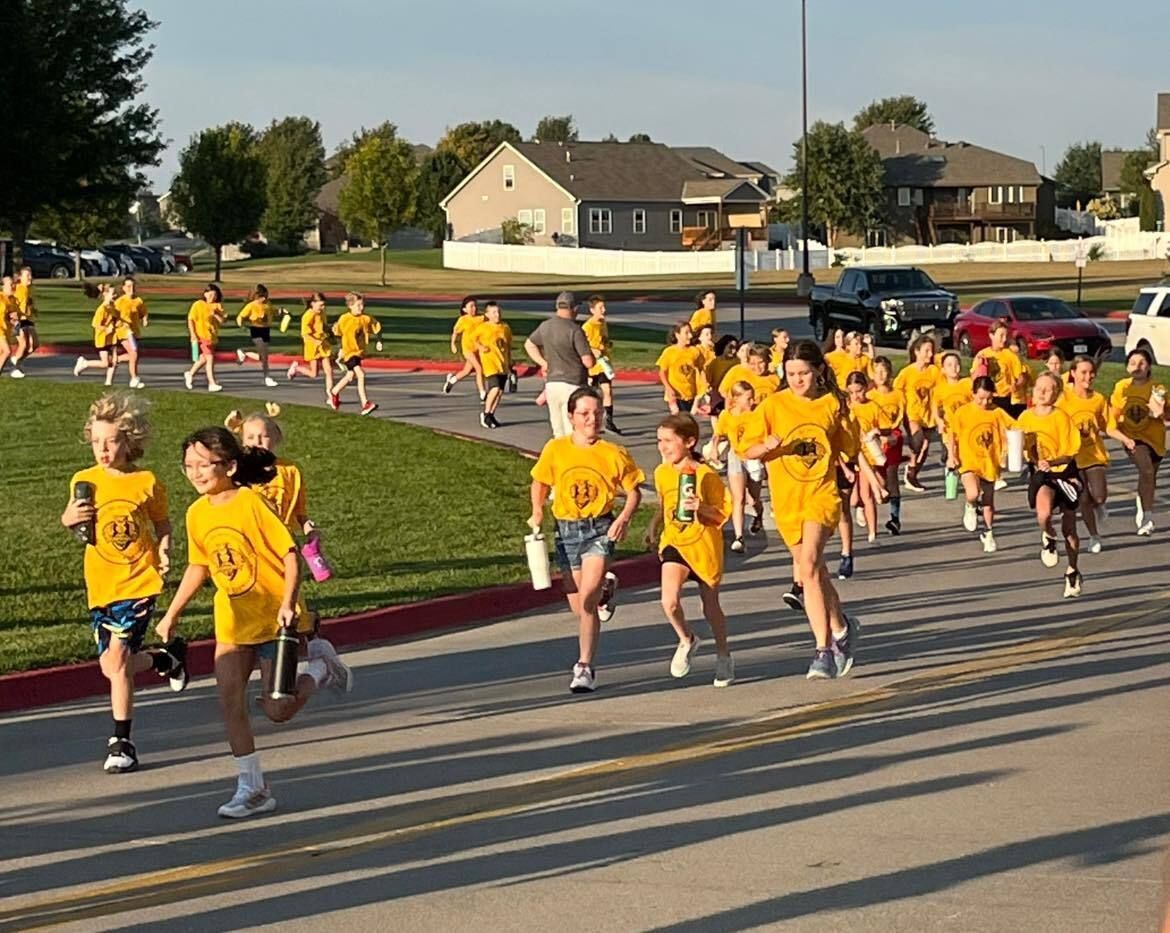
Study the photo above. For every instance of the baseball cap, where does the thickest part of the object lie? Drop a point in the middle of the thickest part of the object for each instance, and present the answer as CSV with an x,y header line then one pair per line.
x,y
566,300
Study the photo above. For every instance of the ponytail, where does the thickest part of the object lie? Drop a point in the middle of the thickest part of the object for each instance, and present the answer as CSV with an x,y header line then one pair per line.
x,y
255,466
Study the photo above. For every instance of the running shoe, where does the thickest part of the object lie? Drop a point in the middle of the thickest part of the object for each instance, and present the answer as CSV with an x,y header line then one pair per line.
x,y
483,420
1048,555
248,802
240,357
1094,545
911,483
1147,528
737,546
1001,484
680,664
584,679
607,603
859,513
988,539
188,380
724,671
493,423
483,395
1072,584
970,517
177,676
823,666
291,373
269,382
612,428
16,373
215,387
794,598
449,383
340,673
845,648
137,383
757,524
121,756
80,366
894,526
845,571
334,401
369,408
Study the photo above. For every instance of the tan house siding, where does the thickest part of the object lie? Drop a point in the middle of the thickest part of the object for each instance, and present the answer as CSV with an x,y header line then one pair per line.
x,y
483,202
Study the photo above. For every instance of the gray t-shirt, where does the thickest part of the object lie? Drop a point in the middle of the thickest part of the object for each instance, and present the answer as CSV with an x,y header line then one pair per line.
x,y
563,343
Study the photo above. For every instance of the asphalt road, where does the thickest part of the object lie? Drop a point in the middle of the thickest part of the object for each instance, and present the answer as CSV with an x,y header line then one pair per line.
x,y
996,762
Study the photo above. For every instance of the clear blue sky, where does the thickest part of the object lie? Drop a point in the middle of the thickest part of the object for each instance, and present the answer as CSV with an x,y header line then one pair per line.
x,y
1014,75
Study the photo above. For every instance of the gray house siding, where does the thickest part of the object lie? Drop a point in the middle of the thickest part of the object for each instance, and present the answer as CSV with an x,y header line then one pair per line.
x,y
658,235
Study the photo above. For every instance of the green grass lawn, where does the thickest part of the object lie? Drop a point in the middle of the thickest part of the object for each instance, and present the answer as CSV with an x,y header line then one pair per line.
x,y
396,529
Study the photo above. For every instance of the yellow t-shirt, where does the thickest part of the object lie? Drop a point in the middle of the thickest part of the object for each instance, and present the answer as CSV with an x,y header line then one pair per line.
x,y
494,344
26,302
286,494
256,313
585,480
123,564
206,319
242,543
706,356
105,326
1130,408
763,385
465,324
700,545
1004,367
844,365
1022,394
979,435
717,369
1048,437
802,471
682,366
315,335
918,386
8,311
597,333
701,318
949,397
891,407
866,416
354,331
133,313
1090,417
737,428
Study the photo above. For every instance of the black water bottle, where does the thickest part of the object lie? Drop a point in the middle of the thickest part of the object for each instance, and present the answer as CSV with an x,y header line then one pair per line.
x,y
284,670
86,531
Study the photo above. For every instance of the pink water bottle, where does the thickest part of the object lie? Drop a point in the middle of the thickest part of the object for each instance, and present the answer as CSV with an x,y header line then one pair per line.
x,y
318,565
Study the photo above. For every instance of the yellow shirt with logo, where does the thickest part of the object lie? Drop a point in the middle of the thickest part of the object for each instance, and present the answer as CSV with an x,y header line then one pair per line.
x,y
682,365
494,345
597,333
700,318
1130,407
706,357
918,386
866,416
949,397
1004,367
699,543
586,481
26,302
737,427
206,319
355,331
242,543
891,408
133,314
1049,437
802,471
105,326
1090,417
315,335
981,440
844,364
464,324
123,563
256,313
763,386
286,495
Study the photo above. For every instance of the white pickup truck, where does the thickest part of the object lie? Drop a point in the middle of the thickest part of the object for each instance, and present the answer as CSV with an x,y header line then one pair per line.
x,y
1148,324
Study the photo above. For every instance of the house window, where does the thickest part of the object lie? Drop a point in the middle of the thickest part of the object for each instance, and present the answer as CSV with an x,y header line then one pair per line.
x,y
538,220
676,221
918,197
1020,195
995,194
903,197
639,220
600,220
1011,194
525,217
876,238
707,219
568,220
509,177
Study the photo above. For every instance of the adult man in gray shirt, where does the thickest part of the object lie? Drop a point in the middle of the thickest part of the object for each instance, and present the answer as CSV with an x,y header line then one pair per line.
x,y
559,347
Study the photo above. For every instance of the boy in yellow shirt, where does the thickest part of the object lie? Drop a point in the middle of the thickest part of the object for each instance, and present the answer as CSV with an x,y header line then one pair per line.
x,y
355,328
133,316
121,513
1003,366
27,340
204,319
601,376
257,316
977,434
105,324
690,547
461,346
492,343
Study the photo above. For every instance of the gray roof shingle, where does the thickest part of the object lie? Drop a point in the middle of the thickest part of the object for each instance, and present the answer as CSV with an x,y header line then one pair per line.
x,y
613,171
891,139
713,162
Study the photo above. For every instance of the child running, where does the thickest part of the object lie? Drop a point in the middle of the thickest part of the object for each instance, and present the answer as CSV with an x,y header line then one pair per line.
x,y
1089,411
917,381
9,315
586,475
492,343
891,414
705,341
951,392
1051,444
704,313
1002,365
27,340
1137,409
601,374
978,441
726,348
690,542
105,324
851,359
779,348
127,555
754,371
678,369
257,316
870,488
463,348
317,344
799,432
743,475
354,328
204,319
242,545
134,316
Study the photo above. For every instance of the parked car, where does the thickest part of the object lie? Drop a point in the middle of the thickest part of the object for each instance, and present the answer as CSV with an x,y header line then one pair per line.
x,y
1036,324
98,261
123,264
147,259
48,262
1148,324
183,262
893,303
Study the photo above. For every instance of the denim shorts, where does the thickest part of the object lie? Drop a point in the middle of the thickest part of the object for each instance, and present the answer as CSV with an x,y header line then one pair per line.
x,y
585,537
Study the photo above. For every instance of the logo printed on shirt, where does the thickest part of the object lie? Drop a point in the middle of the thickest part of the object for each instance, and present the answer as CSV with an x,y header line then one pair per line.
x,y
1136,411
231,561
120,538
804,453
584,487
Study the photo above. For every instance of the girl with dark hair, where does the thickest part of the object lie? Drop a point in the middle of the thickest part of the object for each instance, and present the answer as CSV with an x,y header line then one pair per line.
x,y
237,540
801,433
462,346
1138,411
891,417
1089,411
977,433
704,313
725,359
678,369
317,349
1003,366
917,381
256,315
204,319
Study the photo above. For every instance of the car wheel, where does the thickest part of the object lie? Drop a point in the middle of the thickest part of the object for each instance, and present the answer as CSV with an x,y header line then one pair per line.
x,y
182,268
1022,347
60,272
965,347
820,328
1145,345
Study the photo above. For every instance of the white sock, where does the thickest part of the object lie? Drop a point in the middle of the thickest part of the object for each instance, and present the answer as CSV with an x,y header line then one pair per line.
x,y
250,776
317,670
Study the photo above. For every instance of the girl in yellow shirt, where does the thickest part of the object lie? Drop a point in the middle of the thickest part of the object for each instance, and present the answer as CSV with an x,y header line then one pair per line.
x,y
951,393
801,433
852,359
105,324
1137,411
257,316
780,342
978,441
917,382
204,319
1089,411
867,492
27,339
705,341
743,475
133,317
891,418
1051,444
704,313
8,318
235,539
678,369
1002,365
317,341
691,548
754,371
463,348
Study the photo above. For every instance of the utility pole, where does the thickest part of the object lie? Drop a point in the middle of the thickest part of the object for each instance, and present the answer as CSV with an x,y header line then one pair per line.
x,y
804,283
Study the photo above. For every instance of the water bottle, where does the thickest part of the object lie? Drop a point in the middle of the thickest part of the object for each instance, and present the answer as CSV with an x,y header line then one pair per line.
x,y
873,447
606,367
86,532
952,484
319,567
284,669
285,318
194,351
1015,451
538,563
687,483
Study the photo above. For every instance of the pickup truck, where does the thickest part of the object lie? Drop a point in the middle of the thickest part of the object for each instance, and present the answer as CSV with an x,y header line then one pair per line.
x,y
893,303
1148,324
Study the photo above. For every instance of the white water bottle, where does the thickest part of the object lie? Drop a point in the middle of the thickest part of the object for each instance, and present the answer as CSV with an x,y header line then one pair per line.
x,y
538,563
1015,452
873,447
606,366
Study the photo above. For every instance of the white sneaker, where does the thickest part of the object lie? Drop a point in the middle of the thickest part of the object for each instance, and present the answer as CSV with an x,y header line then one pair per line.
x,y
483,396
988,539
121,756
240,357
340,673
1072,584
608,603
215,387
1001,484
724,671
584,679
137,383
188,380
1094,545
80,366
1048,555
248,802
970,517
16,373
1139,514
270,382
680,664
1147,528
860,517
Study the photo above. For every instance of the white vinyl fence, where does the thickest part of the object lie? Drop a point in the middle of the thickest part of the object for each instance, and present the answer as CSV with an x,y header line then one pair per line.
x,y
1118,246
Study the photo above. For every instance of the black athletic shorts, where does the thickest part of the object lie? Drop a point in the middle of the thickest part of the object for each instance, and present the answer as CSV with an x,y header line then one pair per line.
x,y
1066,487
599,380
670,555
261,333
843,484
352,363
498,381
686,404
1155,457
24,325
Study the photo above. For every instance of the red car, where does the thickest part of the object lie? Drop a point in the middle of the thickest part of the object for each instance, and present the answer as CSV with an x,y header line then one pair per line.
x,y
1035,324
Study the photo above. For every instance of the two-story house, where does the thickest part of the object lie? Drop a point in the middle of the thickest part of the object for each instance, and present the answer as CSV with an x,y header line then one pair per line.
x,y
940,192
1159,172
640,196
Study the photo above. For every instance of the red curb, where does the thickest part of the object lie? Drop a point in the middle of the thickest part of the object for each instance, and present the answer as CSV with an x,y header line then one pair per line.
x,y
284,294
52,685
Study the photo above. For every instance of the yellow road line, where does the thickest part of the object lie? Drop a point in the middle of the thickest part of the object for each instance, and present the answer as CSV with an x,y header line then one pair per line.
x,y
220,875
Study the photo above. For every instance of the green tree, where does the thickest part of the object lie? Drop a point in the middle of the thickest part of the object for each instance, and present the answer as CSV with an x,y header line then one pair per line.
x,y
1078,174
552,129
441,171
342,153
219,192
380,195
73,127
471,143
610,138
844,181
1147,209
81,223
514,233
641,138
905,109
294,170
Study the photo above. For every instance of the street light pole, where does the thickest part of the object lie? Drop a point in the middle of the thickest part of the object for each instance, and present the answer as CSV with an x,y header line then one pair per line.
x,y
804,282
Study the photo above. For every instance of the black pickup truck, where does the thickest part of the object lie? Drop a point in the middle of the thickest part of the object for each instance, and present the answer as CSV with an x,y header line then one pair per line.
x,y
893,303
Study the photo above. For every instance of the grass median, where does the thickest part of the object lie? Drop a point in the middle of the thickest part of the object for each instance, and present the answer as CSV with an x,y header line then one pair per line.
x,y
406,514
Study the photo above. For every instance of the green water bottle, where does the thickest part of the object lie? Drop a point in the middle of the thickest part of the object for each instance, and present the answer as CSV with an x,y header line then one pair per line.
x,y
194,351
687,483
